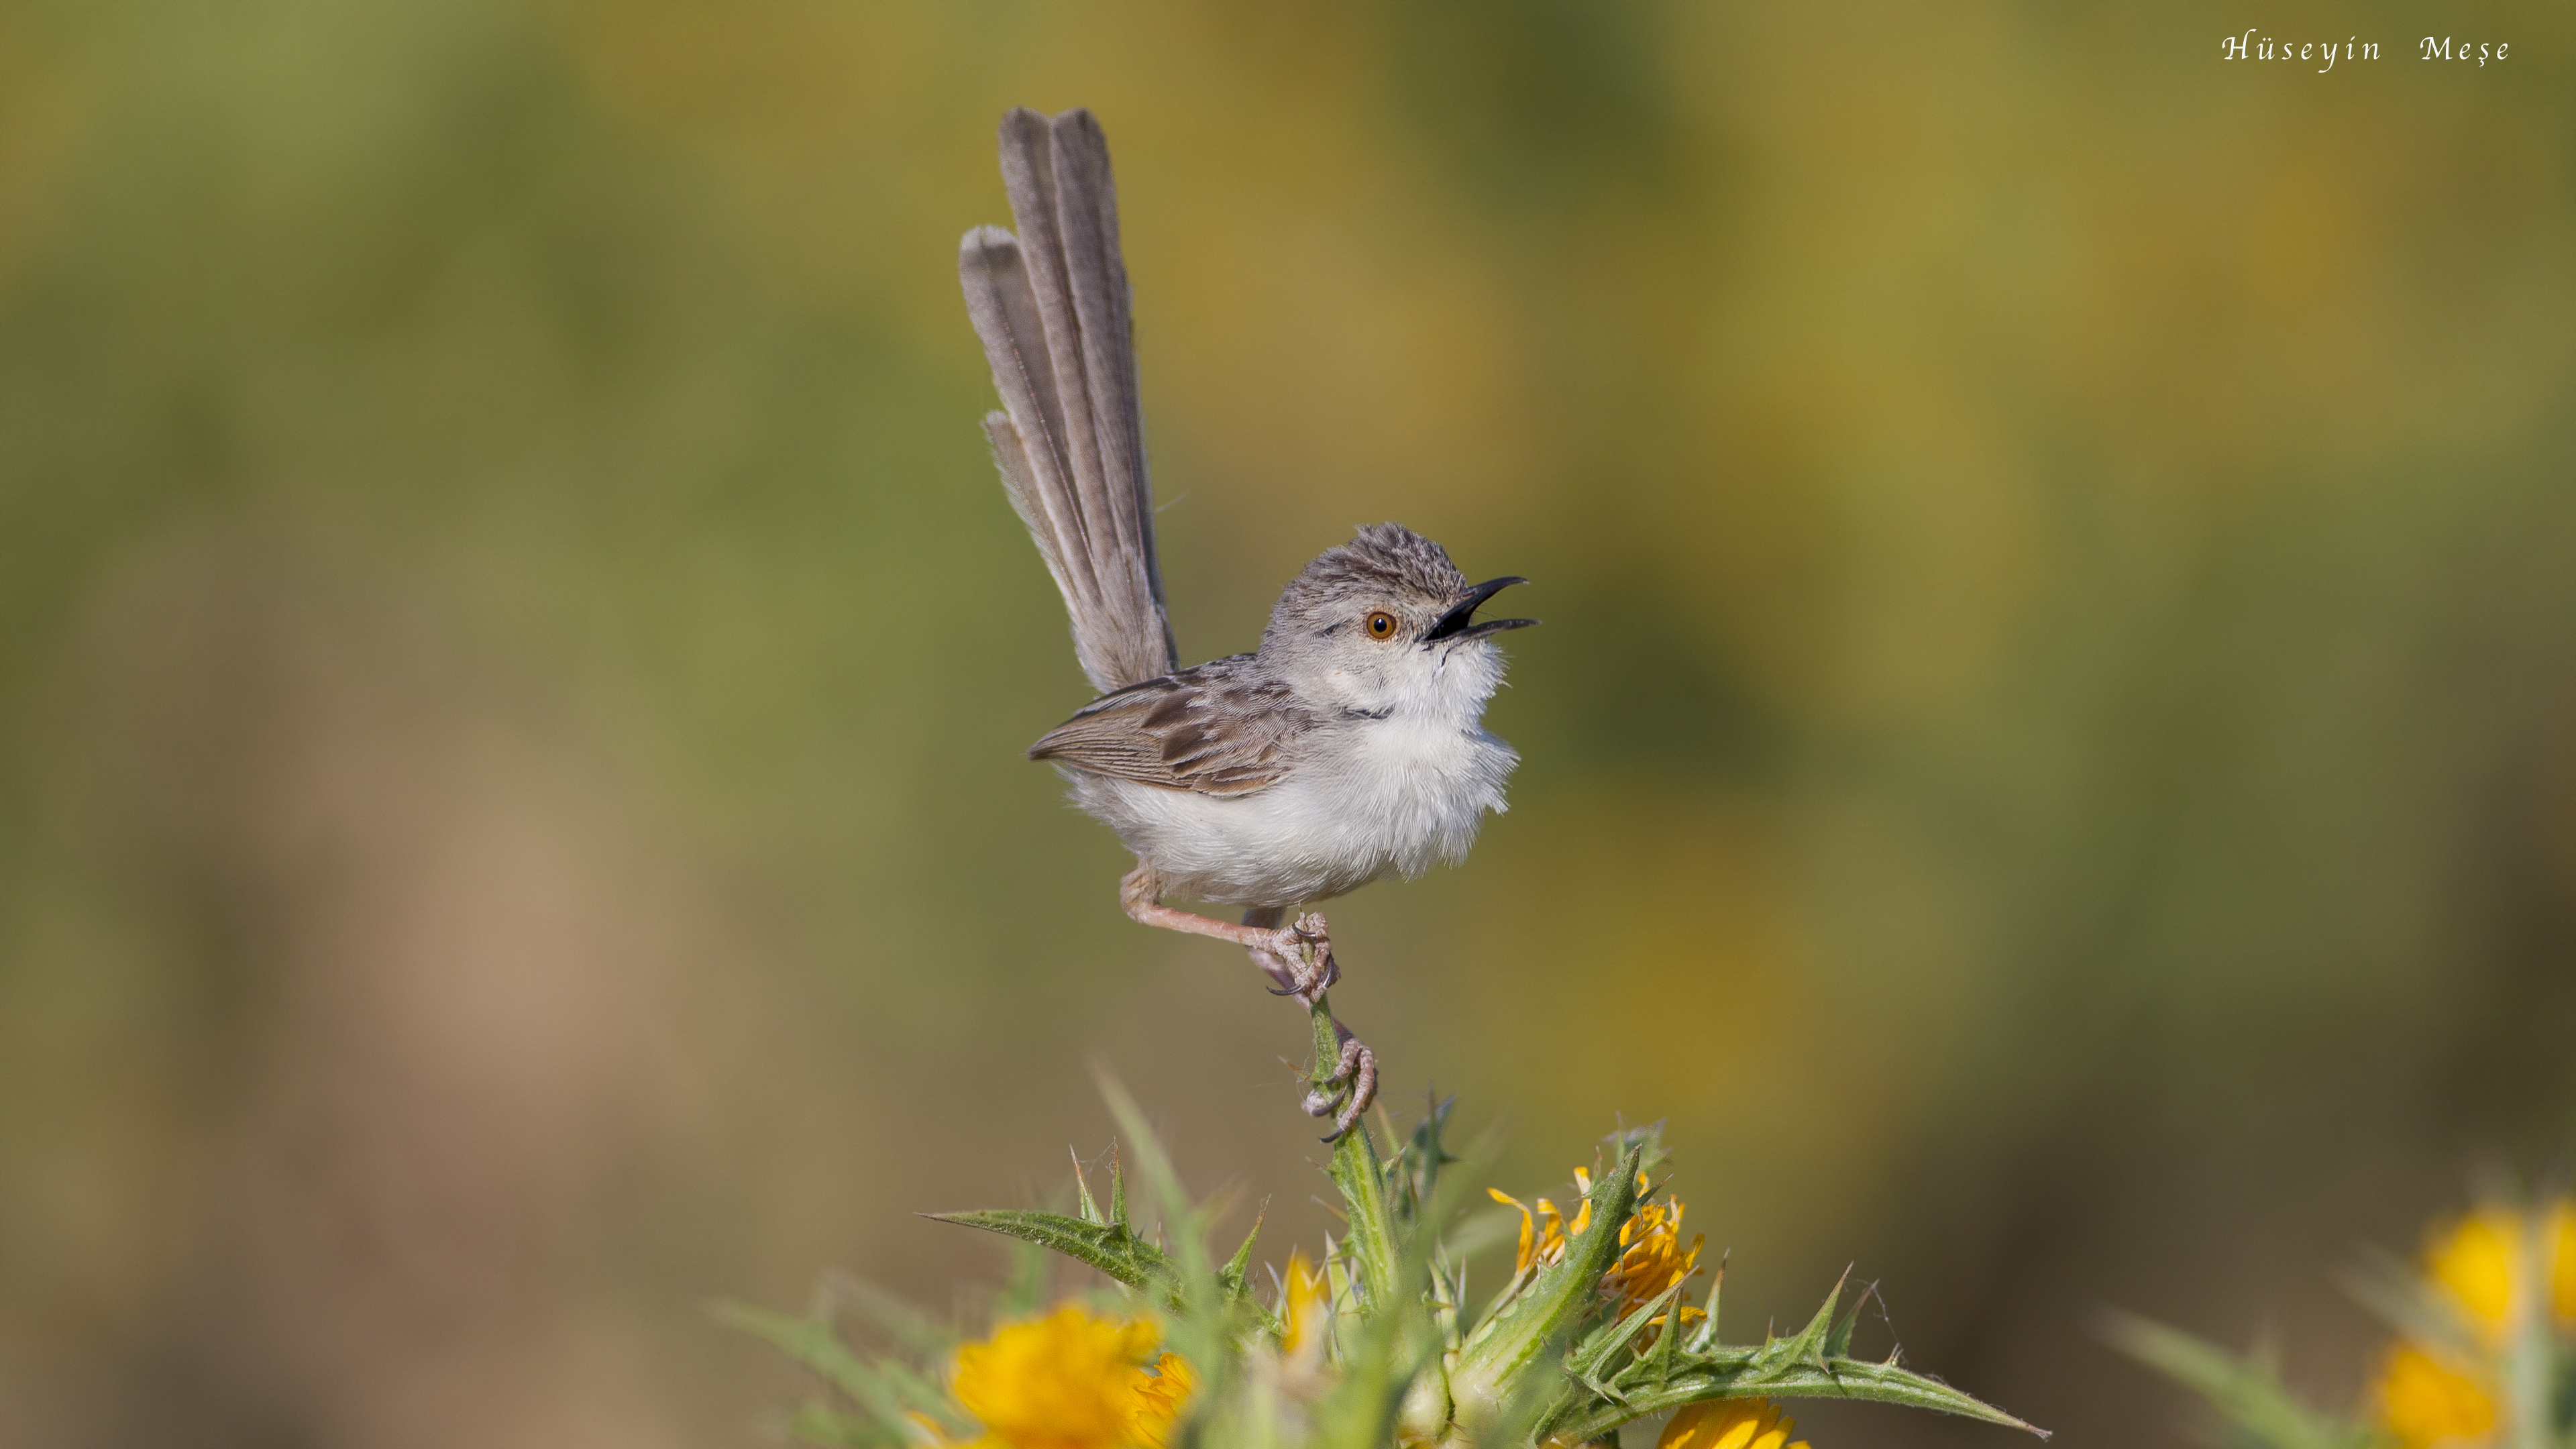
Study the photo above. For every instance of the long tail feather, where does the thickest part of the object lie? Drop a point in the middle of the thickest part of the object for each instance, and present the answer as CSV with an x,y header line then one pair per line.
x,y
1052,307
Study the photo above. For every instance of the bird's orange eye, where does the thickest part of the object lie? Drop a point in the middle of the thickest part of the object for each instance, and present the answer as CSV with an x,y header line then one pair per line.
x,y
1381,625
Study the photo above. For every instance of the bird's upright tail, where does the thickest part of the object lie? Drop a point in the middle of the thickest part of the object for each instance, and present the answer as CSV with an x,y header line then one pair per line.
x,y
1051,305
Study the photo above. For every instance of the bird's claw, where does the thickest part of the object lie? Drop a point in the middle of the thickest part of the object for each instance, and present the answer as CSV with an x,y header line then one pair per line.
x,y
1300,959
1353,1085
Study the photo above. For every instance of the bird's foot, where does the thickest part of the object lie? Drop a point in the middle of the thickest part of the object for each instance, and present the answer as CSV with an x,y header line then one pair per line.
x,y
1351,1087
1299,958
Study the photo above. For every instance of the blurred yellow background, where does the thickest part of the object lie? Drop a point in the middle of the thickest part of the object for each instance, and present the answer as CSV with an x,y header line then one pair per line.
x,y
2052,760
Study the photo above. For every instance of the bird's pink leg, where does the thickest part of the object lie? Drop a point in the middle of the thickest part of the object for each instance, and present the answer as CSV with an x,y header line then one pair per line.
x,y
1299,958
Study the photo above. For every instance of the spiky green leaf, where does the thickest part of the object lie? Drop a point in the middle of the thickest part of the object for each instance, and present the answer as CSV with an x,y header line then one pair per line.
x,y
1239,1267
2413,1305
1808,1347
825,1425
884,1392
1109,1247
810,1342
1838,1343
2247,1394
1558,1299
1082,1187
1769,1373
1705,1336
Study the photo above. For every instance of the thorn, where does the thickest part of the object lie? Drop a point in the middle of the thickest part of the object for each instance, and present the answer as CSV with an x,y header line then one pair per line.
x,y
1090,1209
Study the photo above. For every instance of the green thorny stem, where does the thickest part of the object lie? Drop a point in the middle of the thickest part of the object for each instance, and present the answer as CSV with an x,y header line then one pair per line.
x,y
1358,1172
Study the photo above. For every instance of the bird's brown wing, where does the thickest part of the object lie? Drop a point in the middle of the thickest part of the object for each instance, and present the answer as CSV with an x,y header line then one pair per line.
x,y
1220,729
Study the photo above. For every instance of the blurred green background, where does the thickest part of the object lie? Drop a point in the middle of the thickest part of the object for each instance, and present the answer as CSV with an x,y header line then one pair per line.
x,y
2052,760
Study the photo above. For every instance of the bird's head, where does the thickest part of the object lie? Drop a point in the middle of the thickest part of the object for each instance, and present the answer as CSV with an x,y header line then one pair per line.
x,y
1386,623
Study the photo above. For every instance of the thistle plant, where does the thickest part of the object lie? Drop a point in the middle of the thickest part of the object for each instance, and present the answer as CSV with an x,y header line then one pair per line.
x,y
1603,1322
2483,1354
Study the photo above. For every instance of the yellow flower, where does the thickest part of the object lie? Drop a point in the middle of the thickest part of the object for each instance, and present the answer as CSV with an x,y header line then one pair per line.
x,y
2558,1231
1071,1380
1729,1424
2429,1395
1159,1397
1653,1258
2425,1402
1305,1309
2478,1263
1543,1233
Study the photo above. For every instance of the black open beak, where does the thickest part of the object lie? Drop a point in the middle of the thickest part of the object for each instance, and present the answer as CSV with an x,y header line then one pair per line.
x,y
1459,623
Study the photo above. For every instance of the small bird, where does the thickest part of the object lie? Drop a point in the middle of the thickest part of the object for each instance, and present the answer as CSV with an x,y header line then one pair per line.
x,y
1350,746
